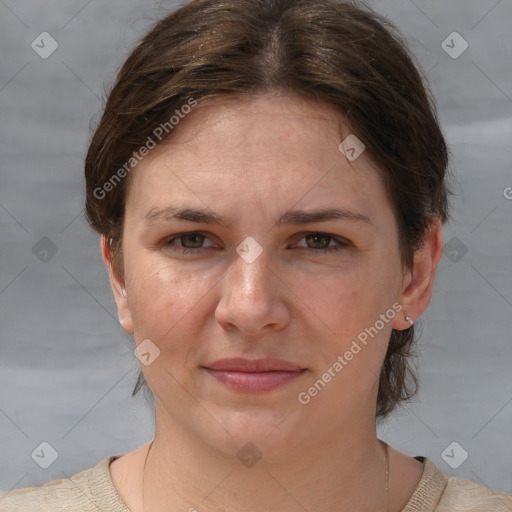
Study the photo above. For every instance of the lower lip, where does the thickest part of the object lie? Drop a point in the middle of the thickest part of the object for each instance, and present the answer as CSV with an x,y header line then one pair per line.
x,y
254,381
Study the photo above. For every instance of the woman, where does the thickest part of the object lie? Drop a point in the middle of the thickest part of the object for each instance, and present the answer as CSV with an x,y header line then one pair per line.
x,y
269,183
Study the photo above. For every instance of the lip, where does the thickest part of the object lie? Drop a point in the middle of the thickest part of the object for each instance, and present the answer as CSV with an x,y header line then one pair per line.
x,y
254,375
239,364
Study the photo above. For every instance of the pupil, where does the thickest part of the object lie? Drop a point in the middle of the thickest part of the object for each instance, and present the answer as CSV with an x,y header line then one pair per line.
x,y
195,236
321,237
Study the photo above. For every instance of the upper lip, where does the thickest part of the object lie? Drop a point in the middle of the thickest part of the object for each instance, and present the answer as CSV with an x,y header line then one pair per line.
x,y
253,365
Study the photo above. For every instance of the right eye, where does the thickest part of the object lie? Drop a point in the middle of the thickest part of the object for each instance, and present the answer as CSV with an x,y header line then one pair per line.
x,y
189,243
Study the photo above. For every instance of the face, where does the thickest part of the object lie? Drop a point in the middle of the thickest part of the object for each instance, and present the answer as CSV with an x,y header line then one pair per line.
x,y
250,237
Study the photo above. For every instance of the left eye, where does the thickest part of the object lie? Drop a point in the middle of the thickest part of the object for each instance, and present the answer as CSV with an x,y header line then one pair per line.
x,y
323,240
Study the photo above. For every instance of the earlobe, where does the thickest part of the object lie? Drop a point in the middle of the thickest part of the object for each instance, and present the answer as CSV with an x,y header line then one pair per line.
x,y
118,287
403,321
418,287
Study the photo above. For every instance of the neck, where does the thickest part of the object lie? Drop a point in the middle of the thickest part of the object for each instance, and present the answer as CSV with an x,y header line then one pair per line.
x,y
181,473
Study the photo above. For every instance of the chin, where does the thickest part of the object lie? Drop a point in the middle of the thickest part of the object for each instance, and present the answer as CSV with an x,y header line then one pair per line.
x,y
269,432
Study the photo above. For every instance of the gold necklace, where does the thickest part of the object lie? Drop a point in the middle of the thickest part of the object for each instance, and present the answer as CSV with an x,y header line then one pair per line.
x,y
386,455
386,452
144,473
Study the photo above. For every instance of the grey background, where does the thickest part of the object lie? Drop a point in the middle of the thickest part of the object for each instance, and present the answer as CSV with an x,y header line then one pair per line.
x,y
67,369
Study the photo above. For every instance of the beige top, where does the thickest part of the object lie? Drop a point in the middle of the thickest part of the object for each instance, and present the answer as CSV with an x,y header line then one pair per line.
x,y
92,490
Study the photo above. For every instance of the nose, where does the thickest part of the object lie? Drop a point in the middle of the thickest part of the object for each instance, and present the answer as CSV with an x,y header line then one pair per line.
x,y
253,297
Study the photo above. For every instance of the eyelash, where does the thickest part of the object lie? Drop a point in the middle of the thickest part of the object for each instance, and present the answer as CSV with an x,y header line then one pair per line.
x,y
185,250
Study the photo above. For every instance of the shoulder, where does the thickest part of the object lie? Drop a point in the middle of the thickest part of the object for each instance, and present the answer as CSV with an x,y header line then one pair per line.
x,y
467,496
438,492
89,490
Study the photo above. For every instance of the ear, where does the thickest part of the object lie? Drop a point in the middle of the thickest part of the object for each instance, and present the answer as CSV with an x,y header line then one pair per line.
x,y
419,281
118,288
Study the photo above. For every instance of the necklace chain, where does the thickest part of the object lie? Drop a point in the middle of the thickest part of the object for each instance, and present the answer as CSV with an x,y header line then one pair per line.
x,y
386,450
386,455
144,473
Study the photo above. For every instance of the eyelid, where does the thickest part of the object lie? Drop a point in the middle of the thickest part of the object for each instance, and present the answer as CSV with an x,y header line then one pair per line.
x,y
179,235
336,238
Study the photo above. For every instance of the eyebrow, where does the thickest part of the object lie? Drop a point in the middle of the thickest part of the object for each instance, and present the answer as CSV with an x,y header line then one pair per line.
x,y
291,217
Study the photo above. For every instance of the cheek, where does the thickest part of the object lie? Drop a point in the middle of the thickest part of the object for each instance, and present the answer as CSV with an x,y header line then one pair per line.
x,y
343,306
343,300
165,305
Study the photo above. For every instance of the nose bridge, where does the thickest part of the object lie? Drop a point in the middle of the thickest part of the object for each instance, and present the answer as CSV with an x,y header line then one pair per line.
x,y
250,298
250,274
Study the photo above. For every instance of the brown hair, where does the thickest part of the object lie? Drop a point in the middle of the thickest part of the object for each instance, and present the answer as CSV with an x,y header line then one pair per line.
x,y
325,50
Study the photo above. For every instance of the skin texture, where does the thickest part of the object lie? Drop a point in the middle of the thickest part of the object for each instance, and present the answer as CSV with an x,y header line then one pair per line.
x,y
250,162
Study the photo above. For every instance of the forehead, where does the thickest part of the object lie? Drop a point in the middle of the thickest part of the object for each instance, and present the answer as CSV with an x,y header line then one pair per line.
x,y
222,113
257,148
261,123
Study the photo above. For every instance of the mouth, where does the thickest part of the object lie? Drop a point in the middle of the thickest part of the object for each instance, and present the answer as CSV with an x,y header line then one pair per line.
x,y
254,375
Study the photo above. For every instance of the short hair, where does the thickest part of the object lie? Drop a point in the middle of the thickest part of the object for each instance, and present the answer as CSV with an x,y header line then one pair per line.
x,y
339,53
